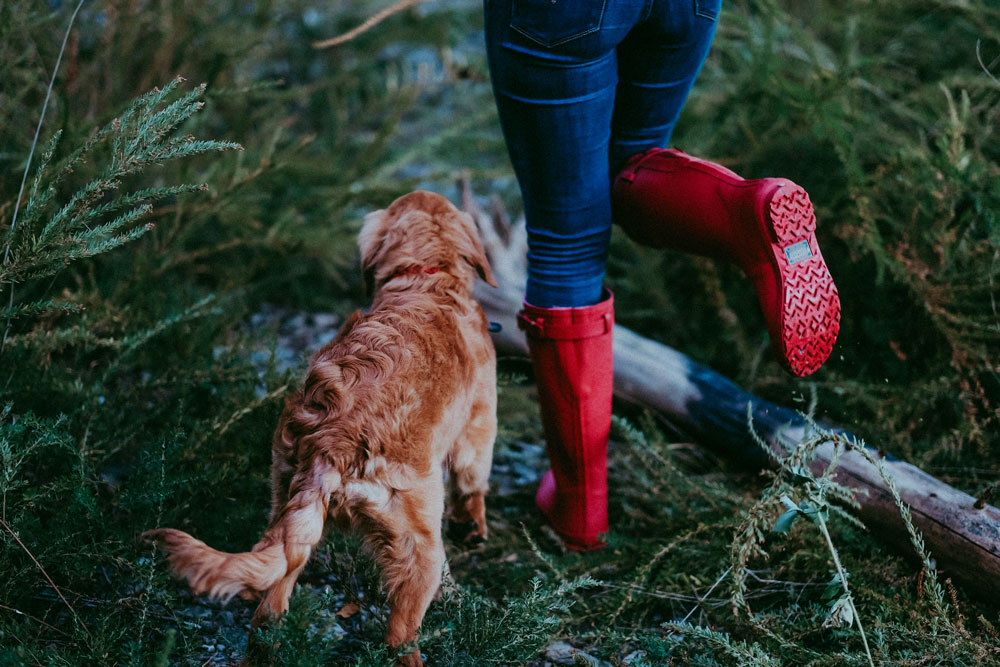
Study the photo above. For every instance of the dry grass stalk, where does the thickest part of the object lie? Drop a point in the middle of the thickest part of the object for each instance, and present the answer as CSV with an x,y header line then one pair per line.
x,y
368,24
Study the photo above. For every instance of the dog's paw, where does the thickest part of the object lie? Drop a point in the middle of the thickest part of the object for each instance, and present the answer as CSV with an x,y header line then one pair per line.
x,y
465,533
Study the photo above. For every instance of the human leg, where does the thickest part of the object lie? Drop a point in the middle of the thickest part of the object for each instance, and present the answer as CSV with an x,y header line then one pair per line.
x,y
554,77
554,73
658,63
571,352
665,198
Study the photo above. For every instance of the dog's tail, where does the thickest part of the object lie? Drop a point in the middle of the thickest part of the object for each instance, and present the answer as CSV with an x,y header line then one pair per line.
x,y
283,550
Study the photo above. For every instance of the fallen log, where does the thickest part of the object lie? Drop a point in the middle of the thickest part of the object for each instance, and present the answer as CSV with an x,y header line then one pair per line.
x,y
961,532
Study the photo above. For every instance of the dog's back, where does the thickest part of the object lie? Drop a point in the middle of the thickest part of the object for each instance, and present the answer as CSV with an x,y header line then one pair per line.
x,y
387,385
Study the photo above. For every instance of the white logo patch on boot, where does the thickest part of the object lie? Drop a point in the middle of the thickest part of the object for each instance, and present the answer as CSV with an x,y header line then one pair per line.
x,y
798,252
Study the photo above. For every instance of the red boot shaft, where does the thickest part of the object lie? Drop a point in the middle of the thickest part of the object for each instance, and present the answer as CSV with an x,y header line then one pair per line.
x,y
667,199
572,357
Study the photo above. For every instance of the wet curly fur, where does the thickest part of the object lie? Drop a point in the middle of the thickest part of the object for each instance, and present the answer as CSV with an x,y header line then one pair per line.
x,y
402,391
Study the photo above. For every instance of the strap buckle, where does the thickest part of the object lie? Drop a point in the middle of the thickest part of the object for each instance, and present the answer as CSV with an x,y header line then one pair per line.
x,y
529,325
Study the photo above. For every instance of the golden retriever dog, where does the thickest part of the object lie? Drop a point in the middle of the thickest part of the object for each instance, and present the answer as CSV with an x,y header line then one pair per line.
x,y
403,391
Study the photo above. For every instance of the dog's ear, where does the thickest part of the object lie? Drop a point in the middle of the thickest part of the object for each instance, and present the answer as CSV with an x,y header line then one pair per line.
x,y
473,252
371,240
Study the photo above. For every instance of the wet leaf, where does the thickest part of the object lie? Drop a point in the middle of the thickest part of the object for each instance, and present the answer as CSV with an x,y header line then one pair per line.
x,y
841,614
348,610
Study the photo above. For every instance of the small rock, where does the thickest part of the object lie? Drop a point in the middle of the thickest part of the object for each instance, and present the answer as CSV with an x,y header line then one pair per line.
x,y
562,653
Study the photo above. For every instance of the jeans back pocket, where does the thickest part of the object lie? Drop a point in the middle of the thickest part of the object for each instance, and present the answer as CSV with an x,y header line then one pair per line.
x,y
554,22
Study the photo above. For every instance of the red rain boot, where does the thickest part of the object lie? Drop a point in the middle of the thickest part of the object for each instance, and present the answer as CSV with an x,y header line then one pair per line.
x,y
667,199
571,355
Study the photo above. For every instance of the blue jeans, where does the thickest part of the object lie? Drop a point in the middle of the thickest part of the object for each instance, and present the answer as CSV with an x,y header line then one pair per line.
x,y
582,85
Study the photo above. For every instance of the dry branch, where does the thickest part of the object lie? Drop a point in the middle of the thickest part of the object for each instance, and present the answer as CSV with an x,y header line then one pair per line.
x,y
367,25
962,534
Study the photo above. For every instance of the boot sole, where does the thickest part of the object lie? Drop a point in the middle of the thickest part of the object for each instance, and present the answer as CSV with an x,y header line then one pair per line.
x,y
810,310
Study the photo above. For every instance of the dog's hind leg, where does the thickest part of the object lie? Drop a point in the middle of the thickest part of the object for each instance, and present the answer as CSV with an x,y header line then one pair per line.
x,y
298,527
471,459
411,555
271,566
282,470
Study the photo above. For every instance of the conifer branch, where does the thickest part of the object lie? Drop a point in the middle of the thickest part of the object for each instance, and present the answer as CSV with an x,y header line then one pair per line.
x,y
142,136
27,165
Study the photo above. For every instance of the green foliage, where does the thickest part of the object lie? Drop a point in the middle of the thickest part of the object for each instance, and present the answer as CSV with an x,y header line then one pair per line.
x,y
139,389
308,630
894,138
50,237
472,629
802,623
737,653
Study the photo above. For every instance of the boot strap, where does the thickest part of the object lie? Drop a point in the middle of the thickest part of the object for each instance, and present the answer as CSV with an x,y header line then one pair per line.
x,y
541,328
628,172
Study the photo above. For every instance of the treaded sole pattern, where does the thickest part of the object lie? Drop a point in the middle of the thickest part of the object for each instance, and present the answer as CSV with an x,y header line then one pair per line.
x,y
810,311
